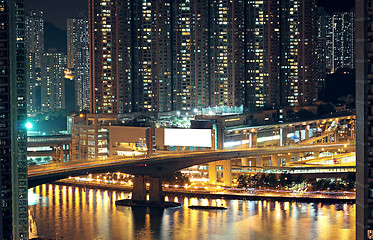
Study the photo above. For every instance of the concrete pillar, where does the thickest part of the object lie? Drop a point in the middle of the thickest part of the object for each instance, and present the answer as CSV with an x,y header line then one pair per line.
x,y
70,152
250,140
253,138
288,158
245,162
155,189
274,160
61,153
316,154
227,174
139,189
258,161
336,136
212,173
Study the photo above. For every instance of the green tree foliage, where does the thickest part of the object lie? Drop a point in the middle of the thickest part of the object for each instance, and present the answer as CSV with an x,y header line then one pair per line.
x,y
242,181
299,180
345,184
176,178
286,180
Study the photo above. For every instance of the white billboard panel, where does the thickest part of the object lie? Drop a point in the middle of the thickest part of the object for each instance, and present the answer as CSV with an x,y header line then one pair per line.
x,y
187,137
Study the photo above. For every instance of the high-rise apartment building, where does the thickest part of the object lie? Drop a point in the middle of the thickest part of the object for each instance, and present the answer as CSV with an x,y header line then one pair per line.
x,y
104,58
180,55
364,120
191,69
339,40
34,52
298,52
78,59
226,54
13,116
262,54
53,82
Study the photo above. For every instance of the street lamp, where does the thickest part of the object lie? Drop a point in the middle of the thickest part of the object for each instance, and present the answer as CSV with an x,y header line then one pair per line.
x,y
29,126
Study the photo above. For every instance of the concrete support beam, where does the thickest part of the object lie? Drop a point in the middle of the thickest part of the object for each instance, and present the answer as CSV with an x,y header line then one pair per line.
x,y
155,189
227,174
337,137
139,189
288,158
245,162
212,173
258,161
274,160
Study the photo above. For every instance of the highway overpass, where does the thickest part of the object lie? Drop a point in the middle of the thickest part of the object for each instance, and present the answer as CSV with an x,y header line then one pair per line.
x,y
159,165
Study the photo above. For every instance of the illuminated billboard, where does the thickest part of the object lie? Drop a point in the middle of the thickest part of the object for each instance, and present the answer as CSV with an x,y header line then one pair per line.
x,y
187,137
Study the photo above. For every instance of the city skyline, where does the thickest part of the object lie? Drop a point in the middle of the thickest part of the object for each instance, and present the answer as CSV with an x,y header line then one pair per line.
x,y
57,12
224,89
186,83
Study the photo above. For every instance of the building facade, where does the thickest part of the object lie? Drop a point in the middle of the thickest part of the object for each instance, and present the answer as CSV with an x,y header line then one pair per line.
x,y
78,59
53,82
262,54
298,52
339,40
34,53
364,113
13,116
180,55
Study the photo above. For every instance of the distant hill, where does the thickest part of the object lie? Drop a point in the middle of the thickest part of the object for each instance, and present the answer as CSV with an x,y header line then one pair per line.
x,y
54,38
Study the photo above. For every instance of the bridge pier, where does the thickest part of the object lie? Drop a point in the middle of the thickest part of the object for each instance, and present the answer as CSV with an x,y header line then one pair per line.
x,y
155,189
273,160
139,189
287,158
245,162
212,173
258,161
227,174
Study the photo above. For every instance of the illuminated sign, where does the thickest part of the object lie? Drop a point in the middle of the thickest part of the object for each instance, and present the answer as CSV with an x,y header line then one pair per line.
x,y
236,143
36,149
187,137
264,139
232,119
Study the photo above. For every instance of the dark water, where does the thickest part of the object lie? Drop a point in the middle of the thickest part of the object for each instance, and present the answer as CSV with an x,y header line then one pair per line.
x,y
63,212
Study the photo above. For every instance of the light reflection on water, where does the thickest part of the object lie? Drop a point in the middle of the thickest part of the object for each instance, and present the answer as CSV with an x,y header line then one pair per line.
x,y
79,213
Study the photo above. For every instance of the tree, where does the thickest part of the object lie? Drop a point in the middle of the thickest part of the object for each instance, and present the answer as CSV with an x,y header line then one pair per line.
x,y
299,180
254,181
286,180
349,181
242,181
263,180
177,178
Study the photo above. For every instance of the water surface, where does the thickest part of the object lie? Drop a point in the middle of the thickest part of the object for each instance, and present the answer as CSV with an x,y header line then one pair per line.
x,y
65,212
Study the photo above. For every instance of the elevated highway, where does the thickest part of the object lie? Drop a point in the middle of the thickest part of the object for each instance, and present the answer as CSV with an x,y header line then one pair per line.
x,y
158,165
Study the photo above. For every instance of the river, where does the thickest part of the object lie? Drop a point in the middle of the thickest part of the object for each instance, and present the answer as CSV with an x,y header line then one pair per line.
x,y
66,212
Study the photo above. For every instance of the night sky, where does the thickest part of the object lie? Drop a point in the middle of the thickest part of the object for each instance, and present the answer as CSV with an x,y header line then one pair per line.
x,y
57,11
